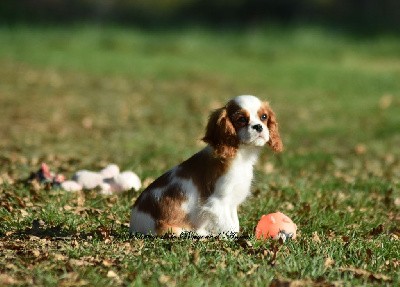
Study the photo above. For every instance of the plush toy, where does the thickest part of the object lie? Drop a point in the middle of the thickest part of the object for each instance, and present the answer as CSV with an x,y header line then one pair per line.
x,y
124,181
109,180
46,176
276,226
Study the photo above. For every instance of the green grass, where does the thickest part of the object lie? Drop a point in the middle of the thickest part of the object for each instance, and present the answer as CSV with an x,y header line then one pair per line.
x,y
81,97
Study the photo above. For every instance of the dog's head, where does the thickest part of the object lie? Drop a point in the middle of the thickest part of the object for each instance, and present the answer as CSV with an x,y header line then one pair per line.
x,y
244,120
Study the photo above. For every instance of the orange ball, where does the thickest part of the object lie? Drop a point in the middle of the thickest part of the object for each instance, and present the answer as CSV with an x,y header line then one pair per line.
x,y
276,225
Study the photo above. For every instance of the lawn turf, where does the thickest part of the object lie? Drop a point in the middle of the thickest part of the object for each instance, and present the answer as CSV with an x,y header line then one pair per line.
x,y
84,96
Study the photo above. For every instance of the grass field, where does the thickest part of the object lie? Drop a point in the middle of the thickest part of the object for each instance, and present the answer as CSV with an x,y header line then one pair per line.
x,y
82,97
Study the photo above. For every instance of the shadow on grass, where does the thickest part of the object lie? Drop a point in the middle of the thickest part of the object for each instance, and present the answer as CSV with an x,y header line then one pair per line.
x,y
59,232
104,233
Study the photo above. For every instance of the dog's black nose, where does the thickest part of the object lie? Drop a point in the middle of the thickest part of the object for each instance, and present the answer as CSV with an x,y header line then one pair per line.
x,y
258,128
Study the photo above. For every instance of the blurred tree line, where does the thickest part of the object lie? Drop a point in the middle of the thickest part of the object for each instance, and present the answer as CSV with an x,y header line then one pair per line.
x,y
363,15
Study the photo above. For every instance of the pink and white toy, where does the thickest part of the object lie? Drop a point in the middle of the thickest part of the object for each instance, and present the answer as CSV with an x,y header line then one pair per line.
x,y
109,180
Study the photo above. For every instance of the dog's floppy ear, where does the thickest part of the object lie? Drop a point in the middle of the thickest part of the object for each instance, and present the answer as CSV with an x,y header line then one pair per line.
x,y
221,134
275,141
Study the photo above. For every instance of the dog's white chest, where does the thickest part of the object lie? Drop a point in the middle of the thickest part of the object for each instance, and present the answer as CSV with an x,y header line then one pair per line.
x,y
234,186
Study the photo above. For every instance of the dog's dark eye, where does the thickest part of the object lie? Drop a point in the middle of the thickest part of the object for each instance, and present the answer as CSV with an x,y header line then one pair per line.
x,y
264,117
242,120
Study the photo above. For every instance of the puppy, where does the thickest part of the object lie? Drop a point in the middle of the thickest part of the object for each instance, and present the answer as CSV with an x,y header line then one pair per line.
x,y
202,194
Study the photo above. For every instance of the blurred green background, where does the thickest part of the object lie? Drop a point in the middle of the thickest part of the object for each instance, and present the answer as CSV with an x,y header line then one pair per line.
x,y
107,80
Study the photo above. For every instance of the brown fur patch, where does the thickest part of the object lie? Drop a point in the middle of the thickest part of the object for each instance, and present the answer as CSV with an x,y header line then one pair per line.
x,y
235,113
166,210
172,217
144,201
221,134
204,169
275,141
264,109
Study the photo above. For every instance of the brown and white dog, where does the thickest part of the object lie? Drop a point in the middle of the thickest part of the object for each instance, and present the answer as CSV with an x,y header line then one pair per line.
x,y
202,194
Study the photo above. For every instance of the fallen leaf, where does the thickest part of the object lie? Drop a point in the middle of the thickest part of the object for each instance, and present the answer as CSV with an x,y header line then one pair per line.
x,y
395,263
360,149
78,262
36,253
166,280
364,273
346,239
292,283
7,206
329,262
288,205
196,257
385,101
35,185
33,238
87,122
315,237
75,243
7,280
377,230
67,207
72,279
20,201
111,274
252,269
268,168
305,208
107,263
11,266
59,257
80,201
245,243
24,213
6,178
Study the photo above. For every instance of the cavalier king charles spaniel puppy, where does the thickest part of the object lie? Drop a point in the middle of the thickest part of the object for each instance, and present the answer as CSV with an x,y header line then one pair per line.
x,y
202,194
